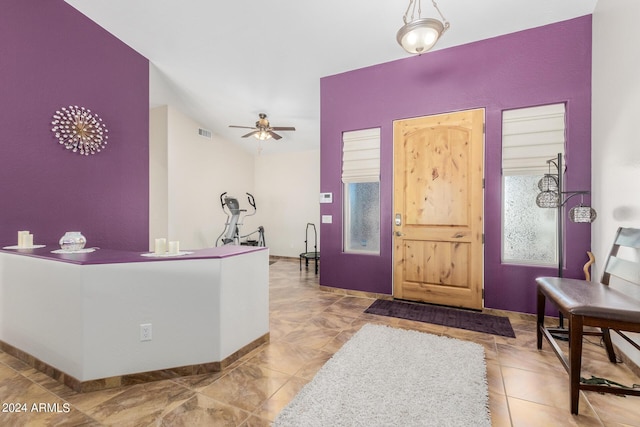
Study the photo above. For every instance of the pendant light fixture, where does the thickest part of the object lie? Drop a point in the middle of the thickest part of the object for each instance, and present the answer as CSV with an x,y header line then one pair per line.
x,y
549,196
582,213
418,34
548,182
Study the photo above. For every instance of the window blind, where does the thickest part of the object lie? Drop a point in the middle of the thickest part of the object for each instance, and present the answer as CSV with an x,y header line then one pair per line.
x,y
361,156
530,137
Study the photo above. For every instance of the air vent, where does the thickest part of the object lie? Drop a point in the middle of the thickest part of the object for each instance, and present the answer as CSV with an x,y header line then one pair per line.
x,y
204,133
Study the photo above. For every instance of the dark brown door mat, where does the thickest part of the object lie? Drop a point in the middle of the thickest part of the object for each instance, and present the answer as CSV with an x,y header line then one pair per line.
x,y
438,315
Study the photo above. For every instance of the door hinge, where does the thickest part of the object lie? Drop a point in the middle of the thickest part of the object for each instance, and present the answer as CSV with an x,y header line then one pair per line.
x,y
484,128
483,238
483,293
483,183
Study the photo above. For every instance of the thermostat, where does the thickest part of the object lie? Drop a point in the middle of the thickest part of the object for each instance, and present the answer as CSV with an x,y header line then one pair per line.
x,y
326,197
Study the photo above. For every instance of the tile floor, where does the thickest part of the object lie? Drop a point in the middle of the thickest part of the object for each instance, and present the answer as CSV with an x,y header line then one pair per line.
x,y
527,387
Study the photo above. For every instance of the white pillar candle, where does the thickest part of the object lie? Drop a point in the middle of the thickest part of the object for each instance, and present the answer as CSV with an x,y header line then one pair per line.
x,y
174,247
21,237
161,246
28,240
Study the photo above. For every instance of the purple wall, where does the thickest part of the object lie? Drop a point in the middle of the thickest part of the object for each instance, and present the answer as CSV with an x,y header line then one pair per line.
x,y
545,65
52,56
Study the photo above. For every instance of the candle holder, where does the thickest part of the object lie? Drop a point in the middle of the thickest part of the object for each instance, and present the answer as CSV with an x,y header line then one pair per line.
x,y
72,241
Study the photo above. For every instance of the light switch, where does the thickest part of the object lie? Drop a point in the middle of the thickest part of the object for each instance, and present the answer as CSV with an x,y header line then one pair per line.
x,y
327,219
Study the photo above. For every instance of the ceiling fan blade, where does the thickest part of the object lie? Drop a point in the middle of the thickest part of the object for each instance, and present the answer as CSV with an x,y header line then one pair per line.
x,y
241,127
251,133
262,126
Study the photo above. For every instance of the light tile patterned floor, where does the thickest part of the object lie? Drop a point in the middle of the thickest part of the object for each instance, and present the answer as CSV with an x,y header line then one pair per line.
x,y
527,387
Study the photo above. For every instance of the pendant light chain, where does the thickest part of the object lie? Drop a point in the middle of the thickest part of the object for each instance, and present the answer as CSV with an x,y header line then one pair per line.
x,y
413,11
417,3
444,20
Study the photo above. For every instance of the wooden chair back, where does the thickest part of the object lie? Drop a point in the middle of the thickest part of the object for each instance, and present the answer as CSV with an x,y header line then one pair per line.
x,y
617,265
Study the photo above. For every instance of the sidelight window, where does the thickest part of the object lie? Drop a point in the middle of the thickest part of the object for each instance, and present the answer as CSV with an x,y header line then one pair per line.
x,y
361,189
530,137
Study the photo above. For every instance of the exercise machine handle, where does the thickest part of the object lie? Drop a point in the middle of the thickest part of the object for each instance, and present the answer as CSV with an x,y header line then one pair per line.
x,y
222,200
252,201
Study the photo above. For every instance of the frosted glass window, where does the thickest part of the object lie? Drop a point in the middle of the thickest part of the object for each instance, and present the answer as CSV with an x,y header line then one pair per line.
x,y
362,217
529,232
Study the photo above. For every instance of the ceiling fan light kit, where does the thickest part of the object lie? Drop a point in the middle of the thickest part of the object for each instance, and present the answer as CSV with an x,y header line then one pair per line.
x,y
263,135
418,35
263,129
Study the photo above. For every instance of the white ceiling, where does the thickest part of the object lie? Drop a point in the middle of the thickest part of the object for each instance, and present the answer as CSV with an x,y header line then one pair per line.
x,y
223,62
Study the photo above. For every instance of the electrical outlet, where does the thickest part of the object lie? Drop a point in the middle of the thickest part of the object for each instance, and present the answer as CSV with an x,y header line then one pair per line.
x,y
145,332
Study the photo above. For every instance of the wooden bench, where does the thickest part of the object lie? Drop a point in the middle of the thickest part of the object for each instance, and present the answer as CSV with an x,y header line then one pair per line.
x,y
591,304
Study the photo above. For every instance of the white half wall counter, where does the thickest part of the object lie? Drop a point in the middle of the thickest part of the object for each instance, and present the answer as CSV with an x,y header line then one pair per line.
x,y
80,315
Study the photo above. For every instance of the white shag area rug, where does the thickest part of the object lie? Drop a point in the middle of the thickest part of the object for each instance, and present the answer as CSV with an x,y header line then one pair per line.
x,y
389,377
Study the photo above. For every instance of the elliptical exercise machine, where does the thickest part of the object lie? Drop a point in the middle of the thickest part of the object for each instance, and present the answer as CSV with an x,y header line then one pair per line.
x,y
231,233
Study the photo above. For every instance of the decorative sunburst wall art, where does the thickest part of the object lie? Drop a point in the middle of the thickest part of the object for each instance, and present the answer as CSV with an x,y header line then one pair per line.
x,y
80,130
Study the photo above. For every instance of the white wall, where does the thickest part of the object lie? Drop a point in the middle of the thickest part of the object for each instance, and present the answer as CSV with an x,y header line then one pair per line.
x,y
615,142
188,174
185,202
158,174
287,194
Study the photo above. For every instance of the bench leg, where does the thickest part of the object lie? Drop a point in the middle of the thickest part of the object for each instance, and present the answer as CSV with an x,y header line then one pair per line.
x,y
606,338
540,321
575,359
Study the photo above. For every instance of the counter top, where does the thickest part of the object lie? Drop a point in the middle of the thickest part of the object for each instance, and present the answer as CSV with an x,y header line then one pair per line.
x,y
111,256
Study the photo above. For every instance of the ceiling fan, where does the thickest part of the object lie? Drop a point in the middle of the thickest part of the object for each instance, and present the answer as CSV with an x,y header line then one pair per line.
x,y
263,130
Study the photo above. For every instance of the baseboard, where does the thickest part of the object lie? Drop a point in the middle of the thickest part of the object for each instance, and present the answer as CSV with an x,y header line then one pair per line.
x,y
516,314
282,258
350,292
129,379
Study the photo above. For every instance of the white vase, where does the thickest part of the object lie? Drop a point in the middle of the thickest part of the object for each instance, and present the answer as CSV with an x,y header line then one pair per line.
x,y
72,240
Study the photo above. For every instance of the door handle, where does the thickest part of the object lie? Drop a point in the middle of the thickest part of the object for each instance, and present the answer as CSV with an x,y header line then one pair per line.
x,y
399,234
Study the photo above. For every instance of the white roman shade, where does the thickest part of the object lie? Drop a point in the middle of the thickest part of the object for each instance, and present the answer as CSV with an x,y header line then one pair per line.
x,y
361,156
530,137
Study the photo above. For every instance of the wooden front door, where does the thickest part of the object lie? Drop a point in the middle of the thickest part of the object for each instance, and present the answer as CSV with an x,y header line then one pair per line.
x,y
438,209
